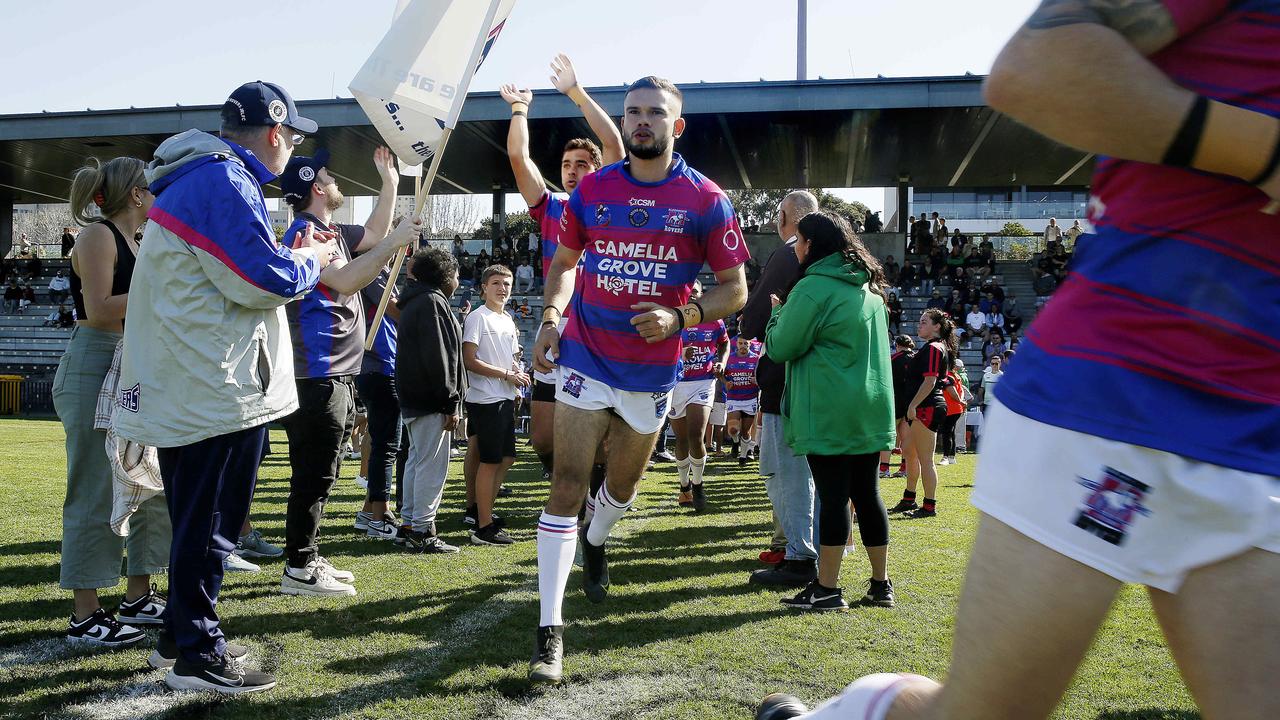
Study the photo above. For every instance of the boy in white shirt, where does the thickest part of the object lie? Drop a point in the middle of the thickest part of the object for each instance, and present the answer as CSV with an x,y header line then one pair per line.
x,y
490,342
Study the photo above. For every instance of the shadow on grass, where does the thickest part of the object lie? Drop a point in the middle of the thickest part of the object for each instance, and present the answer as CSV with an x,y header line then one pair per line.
x,y
82,683
40,547
1150,714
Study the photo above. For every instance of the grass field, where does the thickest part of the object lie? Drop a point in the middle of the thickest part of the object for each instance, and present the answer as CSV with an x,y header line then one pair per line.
x,y
682,635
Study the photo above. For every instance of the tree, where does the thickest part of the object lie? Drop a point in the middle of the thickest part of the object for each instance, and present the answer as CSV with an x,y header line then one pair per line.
x,y
757,207
43,226
519,225
1015,229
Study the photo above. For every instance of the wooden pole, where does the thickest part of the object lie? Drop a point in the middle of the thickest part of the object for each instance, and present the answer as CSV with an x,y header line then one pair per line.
x,y
421,189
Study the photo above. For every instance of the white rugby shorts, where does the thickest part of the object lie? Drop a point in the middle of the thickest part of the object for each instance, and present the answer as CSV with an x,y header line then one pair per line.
x,y
645,412
691,392
743,406
1139,515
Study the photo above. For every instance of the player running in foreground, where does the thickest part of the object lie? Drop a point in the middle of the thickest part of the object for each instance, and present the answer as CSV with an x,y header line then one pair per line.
x,y
705,347
580,158
645,227
1162,471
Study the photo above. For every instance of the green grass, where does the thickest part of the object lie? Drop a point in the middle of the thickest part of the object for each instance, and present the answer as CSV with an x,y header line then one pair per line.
x,y
682,635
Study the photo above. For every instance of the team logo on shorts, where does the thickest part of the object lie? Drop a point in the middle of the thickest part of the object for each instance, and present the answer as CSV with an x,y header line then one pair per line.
x,y
573,384
660,404
129,398
603,217
1112,504
638,217
704,396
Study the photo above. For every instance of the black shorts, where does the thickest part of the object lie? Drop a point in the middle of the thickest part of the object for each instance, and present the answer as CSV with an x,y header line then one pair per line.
x,y
543,391
932,414
492,426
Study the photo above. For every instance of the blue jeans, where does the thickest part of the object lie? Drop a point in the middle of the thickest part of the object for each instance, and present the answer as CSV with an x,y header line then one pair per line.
x,y
382,407
789,483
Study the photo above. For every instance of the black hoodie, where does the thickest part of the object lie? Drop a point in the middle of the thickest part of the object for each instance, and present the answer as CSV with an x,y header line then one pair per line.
x,y
430,377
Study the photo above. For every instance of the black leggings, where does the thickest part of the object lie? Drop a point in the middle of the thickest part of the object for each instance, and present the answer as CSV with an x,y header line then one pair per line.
x,y
839,479
947,435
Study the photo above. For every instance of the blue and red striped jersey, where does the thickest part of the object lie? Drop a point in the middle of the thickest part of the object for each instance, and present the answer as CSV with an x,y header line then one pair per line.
x,y
740,376
641,242
1161,335
701,346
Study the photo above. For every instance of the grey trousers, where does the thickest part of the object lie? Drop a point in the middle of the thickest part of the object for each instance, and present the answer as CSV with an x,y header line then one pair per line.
x,y
91,552
425,471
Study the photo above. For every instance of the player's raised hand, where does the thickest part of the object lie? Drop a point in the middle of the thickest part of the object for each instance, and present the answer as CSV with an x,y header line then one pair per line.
x,y
385,163
513,94
563,76
655,322
547,345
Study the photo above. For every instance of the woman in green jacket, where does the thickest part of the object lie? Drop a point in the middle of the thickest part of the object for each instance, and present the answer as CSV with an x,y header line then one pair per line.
x,y
832,332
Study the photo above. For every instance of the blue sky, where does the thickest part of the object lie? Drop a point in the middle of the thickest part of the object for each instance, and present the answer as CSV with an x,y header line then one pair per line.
x,y
75,54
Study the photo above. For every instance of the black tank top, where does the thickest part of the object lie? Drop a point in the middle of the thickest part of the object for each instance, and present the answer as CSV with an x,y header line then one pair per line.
x,y
119,281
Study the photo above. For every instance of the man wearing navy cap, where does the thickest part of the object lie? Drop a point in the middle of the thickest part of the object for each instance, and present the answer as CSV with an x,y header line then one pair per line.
x,y
205,365
328,331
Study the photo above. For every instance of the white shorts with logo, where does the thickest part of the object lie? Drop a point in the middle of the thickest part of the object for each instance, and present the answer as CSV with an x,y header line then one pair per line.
x,y
719,414
1139,515
743,406
645,412
691,392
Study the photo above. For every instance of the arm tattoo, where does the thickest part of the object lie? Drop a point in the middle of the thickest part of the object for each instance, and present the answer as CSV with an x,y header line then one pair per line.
x,y
1146,24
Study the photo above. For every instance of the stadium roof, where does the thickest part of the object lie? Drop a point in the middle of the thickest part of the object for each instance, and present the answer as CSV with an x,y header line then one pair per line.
x,y
817,133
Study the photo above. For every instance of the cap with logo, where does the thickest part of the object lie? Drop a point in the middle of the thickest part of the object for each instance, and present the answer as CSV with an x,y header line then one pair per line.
x,y
300,174
264,103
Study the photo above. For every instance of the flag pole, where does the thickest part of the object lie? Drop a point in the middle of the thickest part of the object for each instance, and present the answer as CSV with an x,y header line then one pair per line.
x,y
423,187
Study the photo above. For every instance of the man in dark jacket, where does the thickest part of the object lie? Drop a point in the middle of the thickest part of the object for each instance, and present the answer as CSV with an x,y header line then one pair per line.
x,y
789,483
431,382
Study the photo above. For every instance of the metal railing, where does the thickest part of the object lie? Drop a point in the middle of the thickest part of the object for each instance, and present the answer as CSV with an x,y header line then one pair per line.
x,y
953,211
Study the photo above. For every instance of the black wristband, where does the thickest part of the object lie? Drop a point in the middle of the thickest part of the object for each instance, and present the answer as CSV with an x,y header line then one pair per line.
x,y
1183,148
702,314
521,113
1271,166
680,315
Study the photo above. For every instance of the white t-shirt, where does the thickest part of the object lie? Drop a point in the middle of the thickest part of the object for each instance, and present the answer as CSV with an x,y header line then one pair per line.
x,y
496,339
976,320
989,379
524,272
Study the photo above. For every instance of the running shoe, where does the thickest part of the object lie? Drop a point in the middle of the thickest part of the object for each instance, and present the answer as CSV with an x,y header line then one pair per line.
x,y
899,473
166,652
313,580
381,529
362,520
780,707
427,544
362,481
491,534
879,593
699,497
788,573
226,676
252,545
885,474
772,557
469,517
817,598
920,513
664,456
234,563
685,498
505,491
904,505
340,575
595,570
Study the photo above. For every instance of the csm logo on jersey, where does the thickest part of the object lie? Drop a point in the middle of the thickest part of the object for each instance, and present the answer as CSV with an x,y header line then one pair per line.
x,y
675,221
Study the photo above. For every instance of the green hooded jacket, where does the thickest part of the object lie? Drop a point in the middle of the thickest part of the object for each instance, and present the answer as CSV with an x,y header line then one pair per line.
x,y
832,333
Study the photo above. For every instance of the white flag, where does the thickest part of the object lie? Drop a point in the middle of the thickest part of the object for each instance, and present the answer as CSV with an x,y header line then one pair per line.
x,y
413,85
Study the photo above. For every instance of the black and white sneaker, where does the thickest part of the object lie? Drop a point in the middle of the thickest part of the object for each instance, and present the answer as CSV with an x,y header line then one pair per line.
x,y
469,517
146,610
427,543
491,534
780,707
166,652
879,593
228,677
547,665
381,529
595,570
102,629
816,597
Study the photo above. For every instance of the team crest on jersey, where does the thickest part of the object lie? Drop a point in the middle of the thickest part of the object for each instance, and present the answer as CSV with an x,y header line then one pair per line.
x,y
639,217
660,404
675,220
1111,507
603,217
129,398
573,384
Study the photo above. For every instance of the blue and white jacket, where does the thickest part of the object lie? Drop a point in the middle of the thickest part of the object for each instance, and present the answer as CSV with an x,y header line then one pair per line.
x,y
206,345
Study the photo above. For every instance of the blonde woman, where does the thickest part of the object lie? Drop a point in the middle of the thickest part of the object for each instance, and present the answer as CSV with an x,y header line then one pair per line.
x,y
111,201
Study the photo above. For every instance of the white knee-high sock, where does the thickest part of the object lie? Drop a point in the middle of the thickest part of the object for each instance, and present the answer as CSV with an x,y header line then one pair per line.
x,y
696,466
556,539
682,465
608,512
868,697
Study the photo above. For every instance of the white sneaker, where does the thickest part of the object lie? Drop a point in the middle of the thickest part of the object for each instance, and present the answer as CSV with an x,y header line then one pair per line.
x,y
381,529
362,520
362,481
339,575
313,580
235,563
